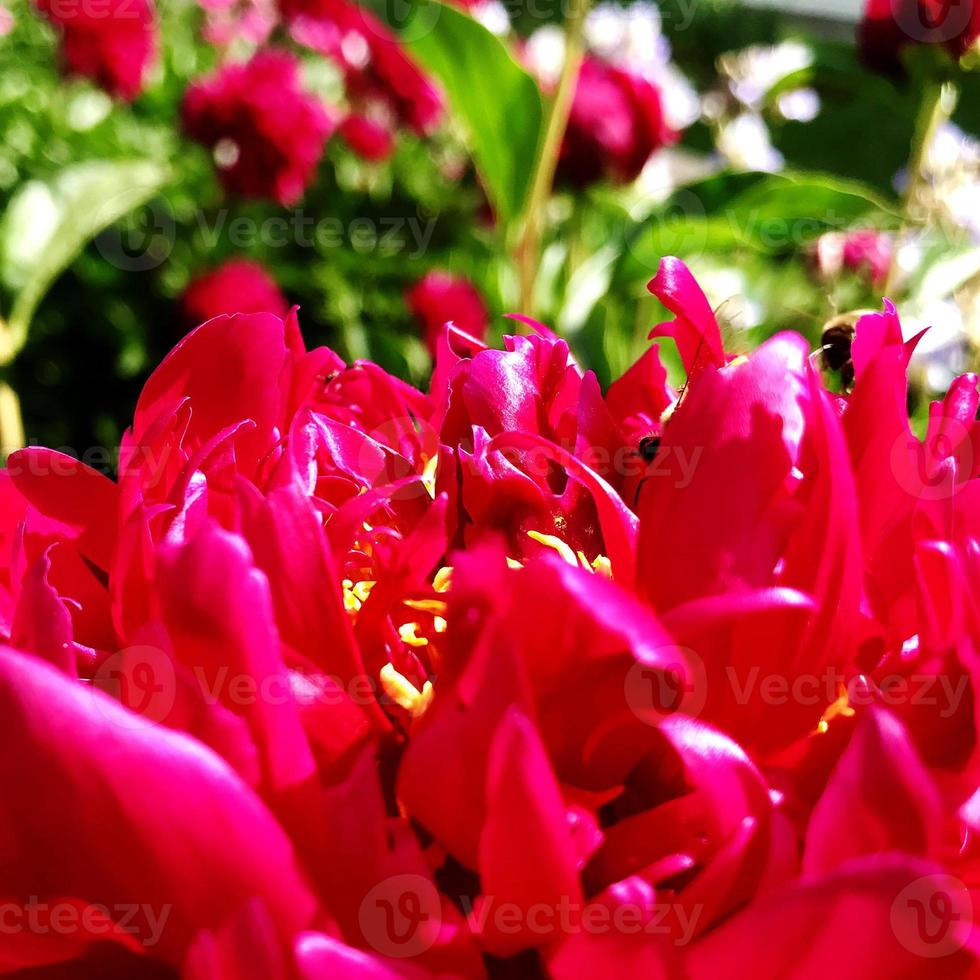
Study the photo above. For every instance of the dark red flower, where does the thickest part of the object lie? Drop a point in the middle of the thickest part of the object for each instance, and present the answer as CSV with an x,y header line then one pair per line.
x,y
439,298
890,25
616,123
367,138
113,42
267,132
237,286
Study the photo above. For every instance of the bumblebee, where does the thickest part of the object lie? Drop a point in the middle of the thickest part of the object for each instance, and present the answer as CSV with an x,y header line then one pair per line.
x,y
648,448
835,350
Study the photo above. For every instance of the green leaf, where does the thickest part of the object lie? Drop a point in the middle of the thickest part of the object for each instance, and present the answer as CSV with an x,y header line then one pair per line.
x,y
587,285
47,224
967,113
805,205
765,214
864,127
496,102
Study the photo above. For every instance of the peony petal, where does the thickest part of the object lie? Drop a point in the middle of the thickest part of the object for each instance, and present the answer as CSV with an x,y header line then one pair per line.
x,y
110,808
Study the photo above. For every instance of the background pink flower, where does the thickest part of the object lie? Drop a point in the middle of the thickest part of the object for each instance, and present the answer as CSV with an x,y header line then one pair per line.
x,y
113,42
439,298
267,133
890,25
366,137
237,286
616,123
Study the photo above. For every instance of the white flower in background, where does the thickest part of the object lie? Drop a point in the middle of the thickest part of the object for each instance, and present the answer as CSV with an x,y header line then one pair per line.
x,y
744,141
492,14
952,191
753,71
800,105
667,170
682,107
632,38
942,351
727,290
544,53
747,76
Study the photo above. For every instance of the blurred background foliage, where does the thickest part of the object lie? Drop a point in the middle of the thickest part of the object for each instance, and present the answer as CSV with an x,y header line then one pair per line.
x,y
788,139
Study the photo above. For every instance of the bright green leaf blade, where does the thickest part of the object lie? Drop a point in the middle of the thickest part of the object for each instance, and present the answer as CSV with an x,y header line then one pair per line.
x,y
808,204
47,224
497,103
769,215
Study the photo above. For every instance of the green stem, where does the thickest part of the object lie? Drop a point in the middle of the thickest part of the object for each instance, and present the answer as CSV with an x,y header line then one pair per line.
x,y
529,248
936,107
11,423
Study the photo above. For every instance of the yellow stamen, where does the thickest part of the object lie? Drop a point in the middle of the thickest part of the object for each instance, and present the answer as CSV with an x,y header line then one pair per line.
x,y
355,594
550,541
602,566
404,693
437,607
429,475
841,708
443,579
409,636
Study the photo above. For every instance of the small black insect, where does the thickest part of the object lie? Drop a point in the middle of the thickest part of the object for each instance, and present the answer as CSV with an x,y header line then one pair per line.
x,y
648,448
835,353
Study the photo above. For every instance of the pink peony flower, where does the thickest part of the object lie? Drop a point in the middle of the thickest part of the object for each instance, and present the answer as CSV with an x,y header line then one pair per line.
x,y
112,42
616,123
227,21
439,298
867,252
237,286
267,133
377,69
340,678
890,25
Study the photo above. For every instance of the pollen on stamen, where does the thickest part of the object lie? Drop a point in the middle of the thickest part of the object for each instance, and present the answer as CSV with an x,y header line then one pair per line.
x,y
404,693
408,633
600,565
841,708
355,594
429,475
443,579
555,543
437,607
